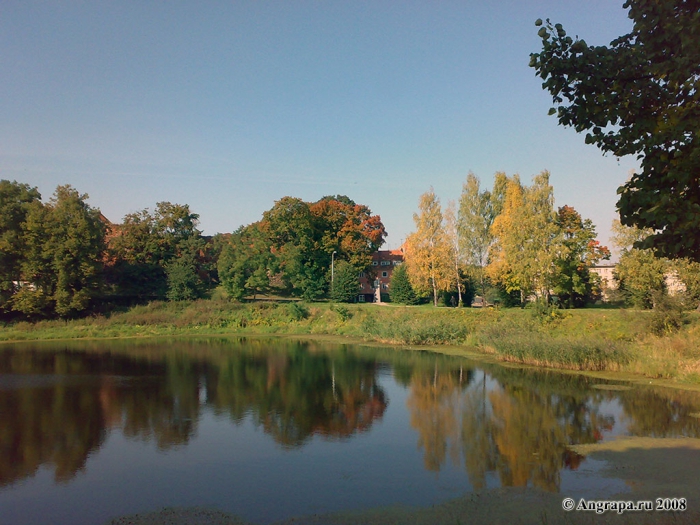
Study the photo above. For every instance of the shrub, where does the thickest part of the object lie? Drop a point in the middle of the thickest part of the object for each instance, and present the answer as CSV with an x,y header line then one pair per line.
x,y
297,311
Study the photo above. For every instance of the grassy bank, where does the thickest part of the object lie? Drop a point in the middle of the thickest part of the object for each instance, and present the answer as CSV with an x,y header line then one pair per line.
x,y
591,339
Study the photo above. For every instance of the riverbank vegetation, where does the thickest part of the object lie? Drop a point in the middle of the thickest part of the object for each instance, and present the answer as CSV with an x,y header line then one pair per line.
x,y
592,339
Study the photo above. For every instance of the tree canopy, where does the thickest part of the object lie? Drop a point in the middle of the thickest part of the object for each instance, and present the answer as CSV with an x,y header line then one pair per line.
x,y
640,95
292,247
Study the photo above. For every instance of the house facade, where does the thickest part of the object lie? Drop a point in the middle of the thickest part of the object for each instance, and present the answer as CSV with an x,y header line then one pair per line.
x,y
375,283
606,272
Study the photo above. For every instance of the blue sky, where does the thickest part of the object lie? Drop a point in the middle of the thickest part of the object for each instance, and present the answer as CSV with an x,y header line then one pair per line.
x,y
229,106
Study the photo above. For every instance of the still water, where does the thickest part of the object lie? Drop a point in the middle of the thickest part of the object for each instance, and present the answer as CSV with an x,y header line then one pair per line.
x,y
270,429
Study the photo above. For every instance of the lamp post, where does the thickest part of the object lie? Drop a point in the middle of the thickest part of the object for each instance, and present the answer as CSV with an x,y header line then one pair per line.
x,y
333,267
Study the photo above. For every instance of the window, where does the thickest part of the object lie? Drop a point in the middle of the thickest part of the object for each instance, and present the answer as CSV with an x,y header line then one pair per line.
x,y
397,263
375,263
361,298
384,274
386,263
362,274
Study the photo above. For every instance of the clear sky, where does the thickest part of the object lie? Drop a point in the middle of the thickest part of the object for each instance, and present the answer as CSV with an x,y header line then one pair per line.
x,y
230,105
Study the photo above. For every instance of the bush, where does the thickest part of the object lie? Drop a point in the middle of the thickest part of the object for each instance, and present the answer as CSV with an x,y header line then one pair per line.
x,y
667,315
297,311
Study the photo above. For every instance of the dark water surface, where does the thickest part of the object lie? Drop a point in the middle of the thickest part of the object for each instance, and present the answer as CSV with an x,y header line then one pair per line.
x,y
269,429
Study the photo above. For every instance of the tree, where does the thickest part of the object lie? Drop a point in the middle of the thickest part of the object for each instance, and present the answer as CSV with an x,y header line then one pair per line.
x,y
15,201
246,263
64,257
428,251
641,275
400,287
639,96
528,239
582,250
303,237
452,237
477,211
346,283
145,250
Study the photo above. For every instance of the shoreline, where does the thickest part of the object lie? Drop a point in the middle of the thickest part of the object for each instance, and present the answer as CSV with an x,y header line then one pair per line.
x,y
601,343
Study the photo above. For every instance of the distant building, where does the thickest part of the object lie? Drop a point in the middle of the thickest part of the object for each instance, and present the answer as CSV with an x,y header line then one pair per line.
x,y
606,272
376,281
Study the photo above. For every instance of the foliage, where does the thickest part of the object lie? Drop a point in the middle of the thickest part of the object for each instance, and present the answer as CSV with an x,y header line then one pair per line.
x,y
581,251
148,247
15,200
667,316
246,263
429,254
639,96
477,211
62,264
298,311
528,240
346,283
401,289
641,275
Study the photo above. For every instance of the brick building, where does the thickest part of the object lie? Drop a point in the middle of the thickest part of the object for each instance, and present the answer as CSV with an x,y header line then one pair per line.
x,y
383,264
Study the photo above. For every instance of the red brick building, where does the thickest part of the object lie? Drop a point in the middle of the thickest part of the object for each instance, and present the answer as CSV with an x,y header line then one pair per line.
x,y
383,264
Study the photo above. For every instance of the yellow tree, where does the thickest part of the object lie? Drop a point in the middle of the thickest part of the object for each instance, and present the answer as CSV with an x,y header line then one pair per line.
x,y
503,253
428,253
528,239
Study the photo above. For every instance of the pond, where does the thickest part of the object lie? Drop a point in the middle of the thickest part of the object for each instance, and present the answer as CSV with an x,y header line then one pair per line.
x,y
268,429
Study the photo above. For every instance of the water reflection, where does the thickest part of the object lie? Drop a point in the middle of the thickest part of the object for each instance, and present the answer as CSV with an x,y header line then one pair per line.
x,y
156,394
517,424
58,404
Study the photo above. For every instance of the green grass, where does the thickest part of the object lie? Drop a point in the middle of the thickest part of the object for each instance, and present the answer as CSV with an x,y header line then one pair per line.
x,y
588,339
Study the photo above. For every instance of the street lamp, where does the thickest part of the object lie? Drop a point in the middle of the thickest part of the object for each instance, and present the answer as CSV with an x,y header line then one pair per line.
x,y
333,267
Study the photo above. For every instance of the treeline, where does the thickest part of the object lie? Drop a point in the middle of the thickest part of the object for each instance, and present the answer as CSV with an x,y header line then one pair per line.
x,y
511,245
63,258
505,245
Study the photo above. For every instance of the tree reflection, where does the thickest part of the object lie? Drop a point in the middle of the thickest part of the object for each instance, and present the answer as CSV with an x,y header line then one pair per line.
x,y
511,426
57,406
517,425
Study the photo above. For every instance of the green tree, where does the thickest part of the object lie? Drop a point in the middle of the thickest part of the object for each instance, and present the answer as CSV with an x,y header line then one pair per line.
x,y
346,283
639,96
477,211
640,275
15,200
64,258
146,249
400,287
246,263
573,282
429,257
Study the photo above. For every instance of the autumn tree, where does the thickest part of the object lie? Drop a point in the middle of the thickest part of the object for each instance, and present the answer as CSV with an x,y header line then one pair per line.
x,y
429,257
528,239
638,96
581,251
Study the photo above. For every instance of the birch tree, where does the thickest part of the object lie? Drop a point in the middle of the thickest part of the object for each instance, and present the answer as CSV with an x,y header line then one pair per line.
x,y
428,252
